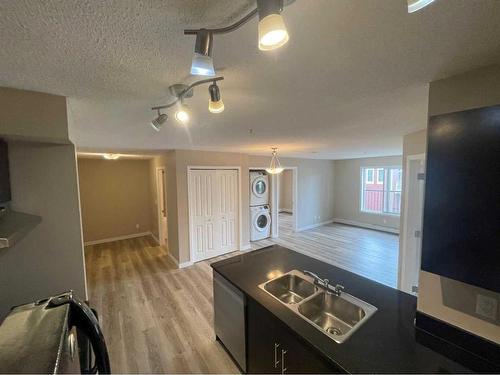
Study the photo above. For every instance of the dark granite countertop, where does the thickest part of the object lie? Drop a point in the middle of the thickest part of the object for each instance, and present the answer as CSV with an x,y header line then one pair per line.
x,y
385,343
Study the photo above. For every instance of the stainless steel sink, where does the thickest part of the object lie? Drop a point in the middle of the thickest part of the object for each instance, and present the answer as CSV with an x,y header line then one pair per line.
x,y
290,288
337,316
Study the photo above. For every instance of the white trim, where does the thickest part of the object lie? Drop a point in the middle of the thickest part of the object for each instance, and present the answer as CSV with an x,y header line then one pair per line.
x,y
185,264
402,247
294,209
118,238
210,167
366,225
286,210
312,226
245,247
161,235
155,238
176,262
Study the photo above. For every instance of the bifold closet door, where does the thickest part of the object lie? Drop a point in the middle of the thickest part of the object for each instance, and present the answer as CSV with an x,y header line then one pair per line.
x,y
205,239
213,200
227,186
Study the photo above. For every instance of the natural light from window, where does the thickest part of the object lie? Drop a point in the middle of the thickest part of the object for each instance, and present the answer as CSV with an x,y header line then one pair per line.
x,y
381,190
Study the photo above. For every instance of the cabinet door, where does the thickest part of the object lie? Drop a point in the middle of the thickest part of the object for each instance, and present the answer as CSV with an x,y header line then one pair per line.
x,y
274,348
263,348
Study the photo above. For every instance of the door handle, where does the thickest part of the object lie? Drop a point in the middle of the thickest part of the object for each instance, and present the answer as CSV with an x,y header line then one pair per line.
x,y
283,368
276,360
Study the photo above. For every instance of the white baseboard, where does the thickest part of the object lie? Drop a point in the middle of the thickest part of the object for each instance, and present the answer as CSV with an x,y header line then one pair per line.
x,y
312,226
366,225
245,247
286,210
185,264
111,239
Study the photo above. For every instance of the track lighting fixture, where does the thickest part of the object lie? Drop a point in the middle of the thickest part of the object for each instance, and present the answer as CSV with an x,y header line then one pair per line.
x,y
159,121
202,63
415,5
272,34
215,104
275,166
181,92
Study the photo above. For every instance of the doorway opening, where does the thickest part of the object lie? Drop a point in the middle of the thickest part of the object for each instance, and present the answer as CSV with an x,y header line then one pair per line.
x,y
161,193
285,194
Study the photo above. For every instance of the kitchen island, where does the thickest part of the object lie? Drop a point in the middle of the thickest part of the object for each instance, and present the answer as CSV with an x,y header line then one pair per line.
x,y
276,339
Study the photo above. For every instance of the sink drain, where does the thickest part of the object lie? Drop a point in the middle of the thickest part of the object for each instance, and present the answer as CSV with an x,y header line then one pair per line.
x,y
334,331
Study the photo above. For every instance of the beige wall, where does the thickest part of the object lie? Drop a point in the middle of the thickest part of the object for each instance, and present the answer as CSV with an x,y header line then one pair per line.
x,y
49,260
286,190
115,197
348,188
35,116
315,188
473,89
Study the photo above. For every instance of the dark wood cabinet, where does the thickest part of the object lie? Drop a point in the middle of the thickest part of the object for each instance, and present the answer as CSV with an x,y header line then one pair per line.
x,y
272,348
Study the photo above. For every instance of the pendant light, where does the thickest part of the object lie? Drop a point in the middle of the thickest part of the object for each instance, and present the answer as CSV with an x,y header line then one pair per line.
x,y
111,156
203,63
275,166
272,30
215,104
415,5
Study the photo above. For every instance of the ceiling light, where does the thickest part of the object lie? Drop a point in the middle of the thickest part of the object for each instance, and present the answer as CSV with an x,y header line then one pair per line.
x,y
275,166
272,30
414,5
182,115
111,156
202,63
159,121
215,104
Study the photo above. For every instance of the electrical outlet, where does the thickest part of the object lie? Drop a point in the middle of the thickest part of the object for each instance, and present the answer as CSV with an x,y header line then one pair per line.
x,y
486,306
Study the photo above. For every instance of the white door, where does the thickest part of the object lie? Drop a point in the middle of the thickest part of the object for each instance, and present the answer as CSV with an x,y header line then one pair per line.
x,y
227,185
205,239
213,211
162,206
412,252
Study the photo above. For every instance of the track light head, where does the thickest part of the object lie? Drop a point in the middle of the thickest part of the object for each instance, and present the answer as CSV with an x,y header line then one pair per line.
x,y
202,63
182,114
272,30
159,121
215,104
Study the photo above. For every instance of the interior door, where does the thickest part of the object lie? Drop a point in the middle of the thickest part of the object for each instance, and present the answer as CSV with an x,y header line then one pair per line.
x,y
415,209
162,206
227,188
205,236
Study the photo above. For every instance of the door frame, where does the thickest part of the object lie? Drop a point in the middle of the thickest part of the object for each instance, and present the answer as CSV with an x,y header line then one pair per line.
x,y
294,200
161,235
403,255
274,199
190,168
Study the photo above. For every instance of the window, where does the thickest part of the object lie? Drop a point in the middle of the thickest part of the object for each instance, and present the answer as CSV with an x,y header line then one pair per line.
x,y
369,175
381,190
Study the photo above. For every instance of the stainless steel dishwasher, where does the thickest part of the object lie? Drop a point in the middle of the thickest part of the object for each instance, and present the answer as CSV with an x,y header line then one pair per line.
x,y
229,318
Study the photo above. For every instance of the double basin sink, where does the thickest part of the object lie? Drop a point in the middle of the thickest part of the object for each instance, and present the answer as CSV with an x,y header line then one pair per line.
x,y
337,315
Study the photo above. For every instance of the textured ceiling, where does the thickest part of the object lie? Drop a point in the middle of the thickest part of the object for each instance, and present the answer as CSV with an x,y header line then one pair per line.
x,y
350,82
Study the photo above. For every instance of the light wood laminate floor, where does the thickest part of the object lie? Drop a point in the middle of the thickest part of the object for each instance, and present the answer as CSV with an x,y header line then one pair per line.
x,y
369,253
159,319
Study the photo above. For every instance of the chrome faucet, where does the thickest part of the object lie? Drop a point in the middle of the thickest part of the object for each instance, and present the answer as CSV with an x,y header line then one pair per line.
x,y
325,283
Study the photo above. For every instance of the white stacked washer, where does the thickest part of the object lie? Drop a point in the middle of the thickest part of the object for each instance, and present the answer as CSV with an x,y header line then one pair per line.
x,y
260,217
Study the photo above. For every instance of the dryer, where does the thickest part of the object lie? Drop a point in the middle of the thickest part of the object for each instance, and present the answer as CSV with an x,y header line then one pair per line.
x,y
259,188
260,222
